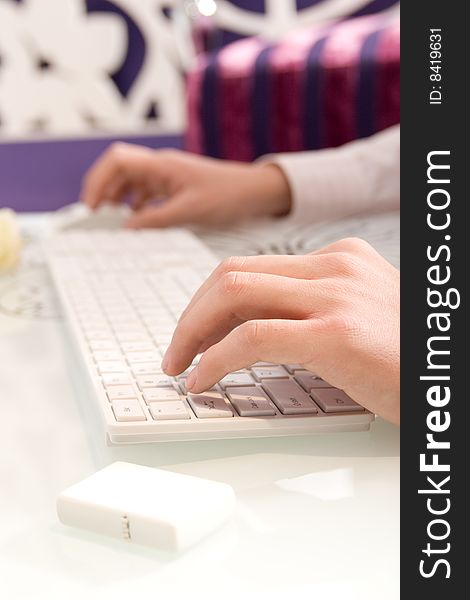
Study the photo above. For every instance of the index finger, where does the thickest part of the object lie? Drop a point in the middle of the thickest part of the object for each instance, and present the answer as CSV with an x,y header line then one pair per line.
x,y
272,340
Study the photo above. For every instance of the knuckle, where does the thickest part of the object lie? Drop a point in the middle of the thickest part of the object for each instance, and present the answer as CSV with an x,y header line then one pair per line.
x,y
316,326
253,332
232,283
349,245
355,244
338,323
118,147
118,150
233,263
236,283
345,263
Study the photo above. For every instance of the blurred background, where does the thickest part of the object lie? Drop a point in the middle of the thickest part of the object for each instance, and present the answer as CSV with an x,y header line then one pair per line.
x,y
227,78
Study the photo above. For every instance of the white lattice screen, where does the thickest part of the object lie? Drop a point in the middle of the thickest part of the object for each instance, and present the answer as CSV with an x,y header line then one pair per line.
x,y
56,59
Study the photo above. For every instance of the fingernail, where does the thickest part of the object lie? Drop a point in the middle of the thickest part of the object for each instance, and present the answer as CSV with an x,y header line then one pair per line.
x,y
165,361
192,379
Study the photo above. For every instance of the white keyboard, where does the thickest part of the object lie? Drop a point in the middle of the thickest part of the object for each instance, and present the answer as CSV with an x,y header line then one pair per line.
x,y
122,292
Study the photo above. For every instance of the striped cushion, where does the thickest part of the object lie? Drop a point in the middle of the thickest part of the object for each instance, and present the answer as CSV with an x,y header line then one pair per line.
x,y
316,88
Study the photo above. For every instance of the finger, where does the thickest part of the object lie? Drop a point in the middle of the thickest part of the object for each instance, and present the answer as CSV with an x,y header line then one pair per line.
x,y
276,341
113,188
101,174
298,267
169,213
235,298
132,163
117,191
140,198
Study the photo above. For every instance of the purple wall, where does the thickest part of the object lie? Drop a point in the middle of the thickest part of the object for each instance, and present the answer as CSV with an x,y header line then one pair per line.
x,y
46,175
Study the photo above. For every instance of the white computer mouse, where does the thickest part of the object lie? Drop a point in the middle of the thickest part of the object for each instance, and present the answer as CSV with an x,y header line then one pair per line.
x,y
79,216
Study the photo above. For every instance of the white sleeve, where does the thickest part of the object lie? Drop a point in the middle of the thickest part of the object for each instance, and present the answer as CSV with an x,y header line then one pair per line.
x,y
361,176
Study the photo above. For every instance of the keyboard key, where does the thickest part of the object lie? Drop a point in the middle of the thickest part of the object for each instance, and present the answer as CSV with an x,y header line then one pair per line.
x,y
150,381
154,380
111,366
154,312
184,374
308,381
147,368
143,357
276,372
98,335
196,359
97,345
116,392
100,355
123,324
130,336
250,401
289,397
236,379
182,385
162,338
160,328
111,379
137,347
156,394
293,368
163,348
209,405
128,410
91,324
332,400
169,410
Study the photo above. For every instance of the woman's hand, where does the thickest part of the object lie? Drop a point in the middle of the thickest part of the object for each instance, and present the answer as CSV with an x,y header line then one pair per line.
x,y
193,189
335,311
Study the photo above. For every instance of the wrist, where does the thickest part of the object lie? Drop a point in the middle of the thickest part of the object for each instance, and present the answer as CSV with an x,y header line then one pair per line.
x,y
272,190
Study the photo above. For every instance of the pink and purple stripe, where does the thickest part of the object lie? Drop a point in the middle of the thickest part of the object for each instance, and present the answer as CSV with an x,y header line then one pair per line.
x,y
323,88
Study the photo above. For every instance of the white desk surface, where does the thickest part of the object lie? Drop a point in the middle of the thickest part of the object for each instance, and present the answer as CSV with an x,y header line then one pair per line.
x,y
317,516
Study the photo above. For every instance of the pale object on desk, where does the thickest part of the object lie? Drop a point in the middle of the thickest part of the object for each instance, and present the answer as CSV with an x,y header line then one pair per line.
x,y
335,484
79,216
10,240
138,504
